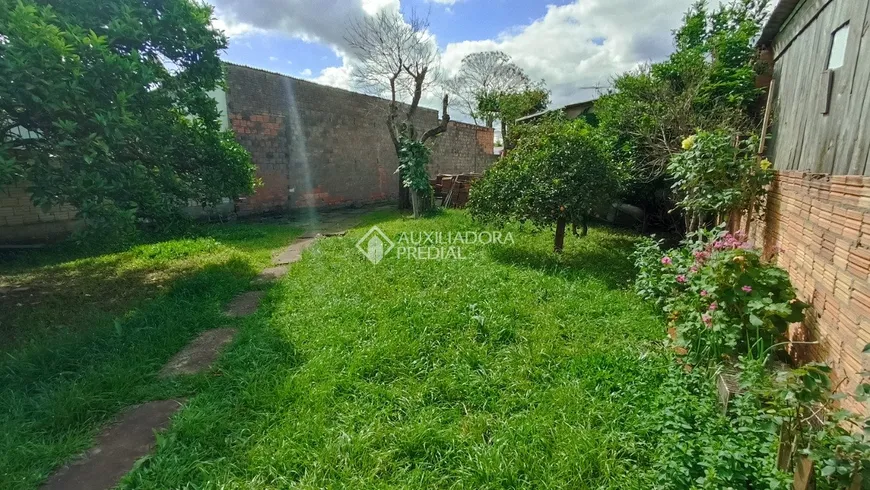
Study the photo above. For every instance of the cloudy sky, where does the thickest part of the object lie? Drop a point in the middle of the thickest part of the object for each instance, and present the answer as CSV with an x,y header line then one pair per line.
x,y
572,45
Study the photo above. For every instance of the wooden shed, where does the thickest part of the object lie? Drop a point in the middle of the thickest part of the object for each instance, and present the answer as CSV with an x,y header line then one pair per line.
x,y
817,222
821,56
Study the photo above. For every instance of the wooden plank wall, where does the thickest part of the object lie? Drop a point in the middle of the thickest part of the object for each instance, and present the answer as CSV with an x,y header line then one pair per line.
x,y
804,138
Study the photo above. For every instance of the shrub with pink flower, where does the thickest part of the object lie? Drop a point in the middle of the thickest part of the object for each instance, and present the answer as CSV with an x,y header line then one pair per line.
x,y
709,280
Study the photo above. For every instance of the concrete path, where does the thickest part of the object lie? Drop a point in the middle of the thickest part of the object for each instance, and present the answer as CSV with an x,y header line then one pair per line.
x,y
118,448
245,304
200,354
132,436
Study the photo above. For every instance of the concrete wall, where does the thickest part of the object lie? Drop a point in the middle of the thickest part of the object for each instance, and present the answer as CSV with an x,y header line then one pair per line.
x,y
318,146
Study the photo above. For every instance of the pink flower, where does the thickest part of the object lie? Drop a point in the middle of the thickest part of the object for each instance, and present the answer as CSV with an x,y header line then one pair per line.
x,y
666,260
703,292
681,279
693,269
747,289
707,319
713,306
718,245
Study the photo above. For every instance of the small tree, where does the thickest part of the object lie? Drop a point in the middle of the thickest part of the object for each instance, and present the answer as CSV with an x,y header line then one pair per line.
x,y
482,75
398,57
104,106
557,174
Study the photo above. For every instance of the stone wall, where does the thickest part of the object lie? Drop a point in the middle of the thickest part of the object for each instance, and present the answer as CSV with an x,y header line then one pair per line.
x,y
22,222
817,226
319,146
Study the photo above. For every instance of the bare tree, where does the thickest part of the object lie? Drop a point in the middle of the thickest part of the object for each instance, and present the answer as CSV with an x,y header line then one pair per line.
x,y
483,75
397,58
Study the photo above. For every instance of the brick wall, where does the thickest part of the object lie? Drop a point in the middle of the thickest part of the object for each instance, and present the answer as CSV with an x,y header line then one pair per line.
x,y
22,222
818,228
319,146
464,148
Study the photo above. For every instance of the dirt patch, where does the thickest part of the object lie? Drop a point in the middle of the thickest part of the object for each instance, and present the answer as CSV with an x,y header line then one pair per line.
x,y
117,449
200,354
244,304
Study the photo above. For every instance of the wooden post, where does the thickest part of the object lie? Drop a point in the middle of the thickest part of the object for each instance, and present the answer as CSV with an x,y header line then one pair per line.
x,y
762,145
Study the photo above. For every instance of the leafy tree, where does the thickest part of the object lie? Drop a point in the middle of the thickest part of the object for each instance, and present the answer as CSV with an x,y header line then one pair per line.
x,y
482,75
557,174
398,57
104,106
511,106
707,83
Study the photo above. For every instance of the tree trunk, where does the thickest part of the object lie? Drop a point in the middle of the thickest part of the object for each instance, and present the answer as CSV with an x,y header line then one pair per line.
x,y
416,205
560,235
585,222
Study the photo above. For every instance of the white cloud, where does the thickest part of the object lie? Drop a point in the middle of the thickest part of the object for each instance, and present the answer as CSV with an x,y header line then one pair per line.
x,y
582,44
306,72
560,47
272,58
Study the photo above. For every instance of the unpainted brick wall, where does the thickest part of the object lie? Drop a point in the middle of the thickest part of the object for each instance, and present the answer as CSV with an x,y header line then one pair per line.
x,y
463,148
22,222
319,146
817,226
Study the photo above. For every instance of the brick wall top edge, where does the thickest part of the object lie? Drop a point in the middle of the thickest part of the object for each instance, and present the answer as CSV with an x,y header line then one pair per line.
x,y
471,126
319,85
857,180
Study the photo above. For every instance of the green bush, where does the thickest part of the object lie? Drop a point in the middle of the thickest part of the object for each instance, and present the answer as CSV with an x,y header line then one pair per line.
x,y
721,297
557,174
718,173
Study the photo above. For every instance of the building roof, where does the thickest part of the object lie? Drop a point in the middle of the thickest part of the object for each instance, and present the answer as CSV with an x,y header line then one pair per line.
x,y
778,17
564,108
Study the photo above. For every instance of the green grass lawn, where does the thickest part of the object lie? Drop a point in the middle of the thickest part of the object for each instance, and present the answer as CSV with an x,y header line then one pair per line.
x,y
83,337
511,368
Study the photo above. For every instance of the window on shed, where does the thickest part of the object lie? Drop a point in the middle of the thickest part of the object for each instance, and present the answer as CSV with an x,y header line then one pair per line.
x,y
839,42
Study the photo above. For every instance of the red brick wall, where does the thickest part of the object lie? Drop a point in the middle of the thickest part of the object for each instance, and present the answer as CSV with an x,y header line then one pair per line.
x,y
264,136
818,228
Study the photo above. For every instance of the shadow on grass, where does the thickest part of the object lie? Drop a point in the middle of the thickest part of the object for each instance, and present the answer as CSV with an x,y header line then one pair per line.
x,y
55,394
602,257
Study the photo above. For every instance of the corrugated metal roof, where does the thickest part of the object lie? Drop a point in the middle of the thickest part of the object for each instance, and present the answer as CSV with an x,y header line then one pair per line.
x,y
780,14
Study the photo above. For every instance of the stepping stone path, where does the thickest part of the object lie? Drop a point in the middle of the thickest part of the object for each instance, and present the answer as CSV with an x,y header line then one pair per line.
x,y
132,436
294,252
200,354
118,448
245,304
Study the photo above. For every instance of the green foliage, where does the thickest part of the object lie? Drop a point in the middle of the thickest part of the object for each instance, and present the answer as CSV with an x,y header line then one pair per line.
x,y
707,83
717,173
115,94
701,448
413,161
558,170
510,106
723,300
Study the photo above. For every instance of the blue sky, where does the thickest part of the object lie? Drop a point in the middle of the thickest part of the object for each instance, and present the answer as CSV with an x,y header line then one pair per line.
x,y
571,44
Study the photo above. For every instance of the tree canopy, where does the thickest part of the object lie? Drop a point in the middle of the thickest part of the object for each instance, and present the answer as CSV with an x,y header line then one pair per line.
x,y
485,75
707,83
104,106
558,173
